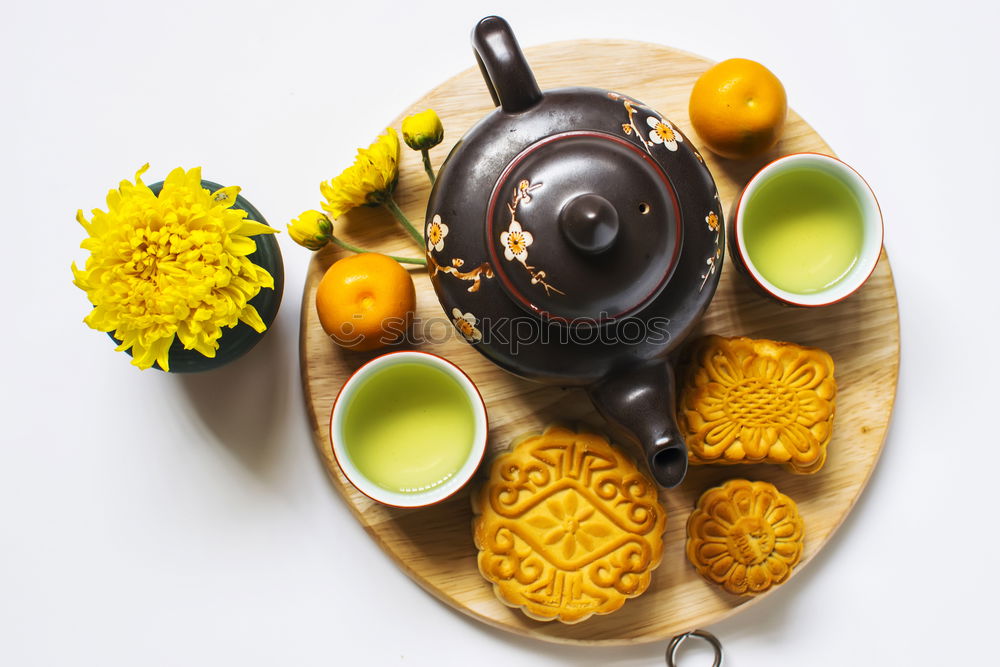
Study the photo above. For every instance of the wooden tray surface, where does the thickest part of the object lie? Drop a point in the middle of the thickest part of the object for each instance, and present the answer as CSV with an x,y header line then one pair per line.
x,y
434,545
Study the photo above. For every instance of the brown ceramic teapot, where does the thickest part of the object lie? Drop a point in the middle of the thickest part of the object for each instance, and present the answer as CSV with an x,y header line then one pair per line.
x,y
575,237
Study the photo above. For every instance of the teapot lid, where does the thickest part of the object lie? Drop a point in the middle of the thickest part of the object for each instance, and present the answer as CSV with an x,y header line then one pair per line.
x,y
583,227
582,207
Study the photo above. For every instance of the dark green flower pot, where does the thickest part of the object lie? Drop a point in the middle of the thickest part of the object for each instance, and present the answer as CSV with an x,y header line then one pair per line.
x,y
239,340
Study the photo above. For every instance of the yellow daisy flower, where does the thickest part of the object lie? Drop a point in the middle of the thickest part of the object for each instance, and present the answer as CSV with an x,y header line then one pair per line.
x,y
370,181
168,266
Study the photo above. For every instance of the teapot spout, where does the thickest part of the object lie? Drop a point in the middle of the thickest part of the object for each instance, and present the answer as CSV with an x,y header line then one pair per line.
x,y
639,401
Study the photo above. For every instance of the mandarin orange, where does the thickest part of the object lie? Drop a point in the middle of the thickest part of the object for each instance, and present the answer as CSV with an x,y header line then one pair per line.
x,y
738,108
365,301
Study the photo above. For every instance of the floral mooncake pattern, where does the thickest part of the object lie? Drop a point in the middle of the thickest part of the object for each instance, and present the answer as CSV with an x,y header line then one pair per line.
x,y
745,536
758,401
567,527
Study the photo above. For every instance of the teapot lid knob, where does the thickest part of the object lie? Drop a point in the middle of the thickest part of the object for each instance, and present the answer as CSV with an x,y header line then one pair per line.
x,y
589,222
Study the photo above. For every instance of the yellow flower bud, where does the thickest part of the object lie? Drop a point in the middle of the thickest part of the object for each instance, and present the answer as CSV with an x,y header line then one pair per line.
x,y
312,230
423,131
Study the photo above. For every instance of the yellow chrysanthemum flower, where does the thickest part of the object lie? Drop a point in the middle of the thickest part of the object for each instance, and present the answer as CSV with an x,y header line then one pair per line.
x,y
423,131
312,229
369,181
173,265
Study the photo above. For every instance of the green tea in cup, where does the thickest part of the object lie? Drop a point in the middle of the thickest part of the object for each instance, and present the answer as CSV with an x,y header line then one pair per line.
x,y
808,230
408,429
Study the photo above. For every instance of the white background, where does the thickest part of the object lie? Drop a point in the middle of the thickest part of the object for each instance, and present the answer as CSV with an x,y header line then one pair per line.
x,y
148,519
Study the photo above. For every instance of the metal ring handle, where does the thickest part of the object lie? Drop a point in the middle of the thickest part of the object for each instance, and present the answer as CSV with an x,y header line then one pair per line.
x,y
676,642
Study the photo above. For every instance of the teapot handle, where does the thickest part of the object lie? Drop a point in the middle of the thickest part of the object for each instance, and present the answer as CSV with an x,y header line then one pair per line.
x,y
505,69
639,401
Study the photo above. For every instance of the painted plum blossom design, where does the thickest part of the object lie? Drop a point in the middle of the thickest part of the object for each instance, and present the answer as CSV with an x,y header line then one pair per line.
x,y
436,231
466,325
661,132
516,241
712,263
712,220
664,133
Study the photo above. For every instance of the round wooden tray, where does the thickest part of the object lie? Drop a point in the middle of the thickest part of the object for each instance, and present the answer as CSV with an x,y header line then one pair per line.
x,y
434,545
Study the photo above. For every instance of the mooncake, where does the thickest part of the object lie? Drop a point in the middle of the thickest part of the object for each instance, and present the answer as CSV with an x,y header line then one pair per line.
x,y
567,526
745,536
757,401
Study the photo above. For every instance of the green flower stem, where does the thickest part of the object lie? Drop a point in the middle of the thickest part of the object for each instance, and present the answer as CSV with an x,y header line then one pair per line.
x,y
402,260
403,220
427,165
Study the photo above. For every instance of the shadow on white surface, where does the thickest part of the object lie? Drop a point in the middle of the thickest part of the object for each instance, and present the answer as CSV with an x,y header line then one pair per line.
x,y
242,403
767,622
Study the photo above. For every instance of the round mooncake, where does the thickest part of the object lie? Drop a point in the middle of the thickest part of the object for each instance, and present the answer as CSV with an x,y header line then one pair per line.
x,y
567,526
745,536
746,400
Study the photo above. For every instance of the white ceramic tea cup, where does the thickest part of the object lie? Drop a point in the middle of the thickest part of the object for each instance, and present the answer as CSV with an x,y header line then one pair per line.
x,y
871,234
338,438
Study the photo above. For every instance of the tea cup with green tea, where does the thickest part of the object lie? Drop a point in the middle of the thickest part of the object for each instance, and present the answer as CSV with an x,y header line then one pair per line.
x,y
409,429
807,230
